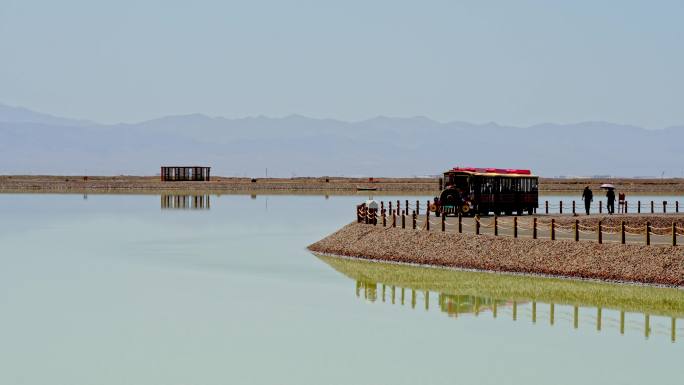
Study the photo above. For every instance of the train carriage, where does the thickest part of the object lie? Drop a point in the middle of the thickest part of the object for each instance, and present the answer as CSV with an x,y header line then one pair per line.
x,y
470,191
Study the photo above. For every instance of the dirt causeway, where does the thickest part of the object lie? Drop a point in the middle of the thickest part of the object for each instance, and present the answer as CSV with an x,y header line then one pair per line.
x,y
333,185
662,265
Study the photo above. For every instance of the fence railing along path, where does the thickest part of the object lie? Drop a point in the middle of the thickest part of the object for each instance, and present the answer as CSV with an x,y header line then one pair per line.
x,y
533,227
598,206
563,207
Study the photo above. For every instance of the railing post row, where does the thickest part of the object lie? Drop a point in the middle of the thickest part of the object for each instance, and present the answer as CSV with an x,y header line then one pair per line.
x,y
496,225
427,216
515,227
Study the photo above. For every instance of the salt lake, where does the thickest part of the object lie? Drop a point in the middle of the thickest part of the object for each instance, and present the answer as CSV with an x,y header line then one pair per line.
x,y
127,289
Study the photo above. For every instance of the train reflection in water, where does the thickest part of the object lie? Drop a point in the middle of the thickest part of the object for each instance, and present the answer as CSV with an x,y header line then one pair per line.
x,y
185,202
625,309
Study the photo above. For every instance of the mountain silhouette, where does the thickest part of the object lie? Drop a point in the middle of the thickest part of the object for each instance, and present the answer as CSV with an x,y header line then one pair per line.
x,y
36,143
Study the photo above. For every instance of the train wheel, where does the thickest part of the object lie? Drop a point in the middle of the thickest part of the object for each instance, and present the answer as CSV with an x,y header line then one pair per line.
x,y
519,212
530,211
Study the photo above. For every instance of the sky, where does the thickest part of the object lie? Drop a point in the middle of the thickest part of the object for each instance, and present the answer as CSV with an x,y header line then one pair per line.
x,y
510,62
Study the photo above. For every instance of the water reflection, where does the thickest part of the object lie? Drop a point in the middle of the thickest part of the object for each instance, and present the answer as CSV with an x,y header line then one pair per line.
x,y
185,202
576,304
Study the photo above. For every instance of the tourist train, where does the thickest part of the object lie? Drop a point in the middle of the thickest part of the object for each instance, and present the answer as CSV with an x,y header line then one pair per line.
x,y
470,191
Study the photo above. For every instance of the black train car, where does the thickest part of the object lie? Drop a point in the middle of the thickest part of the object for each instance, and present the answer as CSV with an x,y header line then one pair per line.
x,y
470,191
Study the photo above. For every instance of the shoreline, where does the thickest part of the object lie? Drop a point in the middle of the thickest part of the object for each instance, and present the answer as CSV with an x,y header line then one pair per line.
x,y
498,273
650,265
325,185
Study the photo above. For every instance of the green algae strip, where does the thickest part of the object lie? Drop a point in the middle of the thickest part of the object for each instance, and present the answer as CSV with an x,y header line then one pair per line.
x,y
667,302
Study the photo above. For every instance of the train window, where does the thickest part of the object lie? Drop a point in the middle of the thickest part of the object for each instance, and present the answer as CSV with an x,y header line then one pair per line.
x,y
461,182
487,185
505,185
458,181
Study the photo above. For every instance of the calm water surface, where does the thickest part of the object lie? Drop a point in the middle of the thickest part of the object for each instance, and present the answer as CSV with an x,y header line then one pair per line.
x,y
126,289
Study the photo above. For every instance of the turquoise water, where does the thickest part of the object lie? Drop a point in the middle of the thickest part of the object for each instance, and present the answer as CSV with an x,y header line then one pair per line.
x,y
113,289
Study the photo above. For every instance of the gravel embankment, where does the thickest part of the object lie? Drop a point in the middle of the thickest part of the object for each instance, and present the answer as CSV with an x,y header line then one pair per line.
x,y
589,260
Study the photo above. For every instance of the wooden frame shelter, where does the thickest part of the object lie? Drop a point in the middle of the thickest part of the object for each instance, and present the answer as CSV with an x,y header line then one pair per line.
x,y
185,173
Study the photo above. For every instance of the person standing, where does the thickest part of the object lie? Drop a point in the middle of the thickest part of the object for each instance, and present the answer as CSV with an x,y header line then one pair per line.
x,y
610,194
588,197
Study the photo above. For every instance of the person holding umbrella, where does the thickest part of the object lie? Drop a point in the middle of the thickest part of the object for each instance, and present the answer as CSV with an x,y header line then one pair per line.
x,y
610,195
588,196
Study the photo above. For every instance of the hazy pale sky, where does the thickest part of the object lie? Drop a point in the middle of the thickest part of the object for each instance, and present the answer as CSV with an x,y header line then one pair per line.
x,y
512,62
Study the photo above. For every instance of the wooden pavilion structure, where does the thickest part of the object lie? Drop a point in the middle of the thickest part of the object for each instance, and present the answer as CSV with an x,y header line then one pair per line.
x,y
184,173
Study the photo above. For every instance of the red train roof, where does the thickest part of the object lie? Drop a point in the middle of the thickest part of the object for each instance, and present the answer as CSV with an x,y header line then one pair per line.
x,y
503,171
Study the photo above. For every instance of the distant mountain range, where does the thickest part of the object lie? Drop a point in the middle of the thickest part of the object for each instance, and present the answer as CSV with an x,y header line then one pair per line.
x,y
36,143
